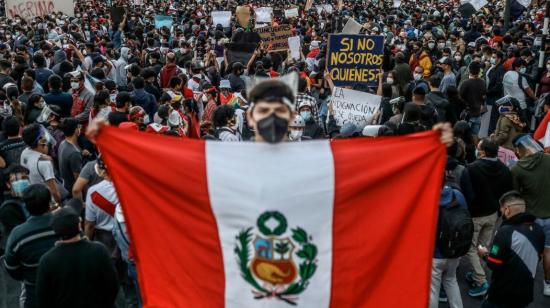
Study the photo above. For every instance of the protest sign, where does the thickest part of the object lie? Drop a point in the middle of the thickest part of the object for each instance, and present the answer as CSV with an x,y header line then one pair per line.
x,y
354,106
264,14
325,7
355,59
290,13
294,46
221,17
352,27
239,52
275,38
28,9
163,21
243,15
309,4
117,14
396,3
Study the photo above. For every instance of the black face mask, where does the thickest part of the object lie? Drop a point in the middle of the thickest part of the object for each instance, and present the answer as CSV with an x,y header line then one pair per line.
x,y
273,128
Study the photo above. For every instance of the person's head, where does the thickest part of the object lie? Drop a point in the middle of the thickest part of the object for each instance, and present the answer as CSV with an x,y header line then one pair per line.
x,y
11,127
486,148
26,84
17,179
418,73
138,115
102,99
123,100
525,145
302,85
225,87
55,82
390,78
224,116
511,204
55,115
519,65
446,64
496,57
411,113
546,106
66,223
237,68
39,60
175,83
37,199
138,82
434,82
296,128
5,67
474,69
71,128
37,138
419,93
170,57
271,110
101,169
77,81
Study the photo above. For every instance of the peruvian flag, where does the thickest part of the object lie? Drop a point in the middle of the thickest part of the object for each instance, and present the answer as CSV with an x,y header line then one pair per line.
x,y
348,223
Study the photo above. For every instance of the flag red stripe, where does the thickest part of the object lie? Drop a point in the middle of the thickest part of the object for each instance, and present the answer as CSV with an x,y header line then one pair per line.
x,y
384,220
103,203
172,229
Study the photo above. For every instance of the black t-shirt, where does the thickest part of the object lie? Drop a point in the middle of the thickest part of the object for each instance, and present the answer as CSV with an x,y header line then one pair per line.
x,y
117,117
10,150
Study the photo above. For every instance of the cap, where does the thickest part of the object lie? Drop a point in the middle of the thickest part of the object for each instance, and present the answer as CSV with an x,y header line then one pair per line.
x,y
446,60
66,222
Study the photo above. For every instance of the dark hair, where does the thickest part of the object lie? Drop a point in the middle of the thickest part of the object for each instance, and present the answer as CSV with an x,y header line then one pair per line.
x,y
37,199
435,81
222,115
100,98
270,89
138,82
30,134
474,68
69,126
122,98
31,73
518,63
386,90
302,85
174,81
14,169
12,92
411,113
499,54
11,126
463,131
55,82
39,60
4,64
489,147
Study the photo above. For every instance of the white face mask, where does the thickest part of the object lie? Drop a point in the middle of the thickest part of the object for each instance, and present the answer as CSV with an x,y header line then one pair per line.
x,y
417,76
548,67
431,45
204,99
295,135
389,80
523,70
104,112
75,85
146,119
440,45
458,58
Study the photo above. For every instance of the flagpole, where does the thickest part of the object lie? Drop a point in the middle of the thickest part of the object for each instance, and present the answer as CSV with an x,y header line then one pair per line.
x,y
545,37
507,14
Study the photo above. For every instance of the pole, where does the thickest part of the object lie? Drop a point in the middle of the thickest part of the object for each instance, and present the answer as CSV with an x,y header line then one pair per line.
x,y
544,38
507,5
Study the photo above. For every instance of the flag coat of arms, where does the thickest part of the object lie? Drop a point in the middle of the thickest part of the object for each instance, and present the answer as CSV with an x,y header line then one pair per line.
x,y
348,223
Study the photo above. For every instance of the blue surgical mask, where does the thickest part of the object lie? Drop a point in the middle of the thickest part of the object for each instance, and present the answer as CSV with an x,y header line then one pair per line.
x,y
306,115
18,186
504,109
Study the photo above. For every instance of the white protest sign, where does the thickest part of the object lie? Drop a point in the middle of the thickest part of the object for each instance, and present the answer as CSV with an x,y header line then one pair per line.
x,y
354,106
326,7
221,17
524,3
294,46
264,14
478,4
396,3
290,13
29,9
352,27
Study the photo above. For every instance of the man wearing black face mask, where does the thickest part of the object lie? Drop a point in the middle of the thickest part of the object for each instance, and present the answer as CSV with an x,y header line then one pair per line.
x,y
271,110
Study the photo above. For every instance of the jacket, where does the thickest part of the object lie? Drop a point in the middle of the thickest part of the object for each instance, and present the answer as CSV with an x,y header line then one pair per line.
x,y
313,129
464,182
168,71
506,131
439,102
426,63
531,175
494,80
490,179
513,258
83,101
147,101
447,196
61,99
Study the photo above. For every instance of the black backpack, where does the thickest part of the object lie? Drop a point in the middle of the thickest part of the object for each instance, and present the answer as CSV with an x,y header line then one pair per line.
x,y
455,230
452,177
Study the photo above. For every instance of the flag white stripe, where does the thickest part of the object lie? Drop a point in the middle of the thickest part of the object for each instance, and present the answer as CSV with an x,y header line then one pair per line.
x,y
295,179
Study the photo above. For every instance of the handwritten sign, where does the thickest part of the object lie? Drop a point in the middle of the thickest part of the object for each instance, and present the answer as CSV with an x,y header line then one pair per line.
x,y
29,9
352,27
264,14
221,18
276,38
294,46
290,13
354,106
163,21
353,59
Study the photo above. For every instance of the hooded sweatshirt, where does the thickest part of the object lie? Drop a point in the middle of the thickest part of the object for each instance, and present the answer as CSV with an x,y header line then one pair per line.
x,y
58,57
531,176
490,180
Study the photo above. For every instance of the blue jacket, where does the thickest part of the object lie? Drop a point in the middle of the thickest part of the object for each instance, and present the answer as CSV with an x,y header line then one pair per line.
x,y
147,101
61,99
446,197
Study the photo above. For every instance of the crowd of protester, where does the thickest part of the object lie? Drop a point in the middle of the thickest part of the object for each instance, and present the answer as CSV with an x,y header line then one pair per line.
x,y
59,75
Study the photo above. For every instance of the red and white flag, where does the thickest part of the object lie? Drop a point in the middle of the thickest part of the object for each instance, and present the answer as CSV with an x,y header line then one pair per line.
x,y
348,223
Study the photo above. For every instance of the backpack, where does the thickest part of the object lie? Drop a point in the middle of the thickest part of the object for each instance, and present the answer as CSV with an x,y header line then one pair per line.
x,y
452,177
455,230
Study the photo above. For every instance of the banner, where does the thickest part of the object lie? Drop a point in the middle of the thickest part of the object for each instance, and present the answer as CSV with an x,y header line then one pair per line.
x,y
264,14
353,59
275,38
28,9
354,106
311,224
294,46
352,27
163,21
221,17
290,13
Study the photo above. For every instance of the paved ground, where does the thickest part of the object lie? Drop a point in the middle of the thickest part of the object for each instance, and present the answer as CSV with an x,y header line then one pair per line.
x,y
9,292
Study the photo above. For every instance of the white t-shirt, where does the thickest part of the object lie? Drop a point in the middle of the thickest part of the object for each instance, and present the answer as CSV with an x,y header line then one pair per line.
x,y
103,193
511,87
40,171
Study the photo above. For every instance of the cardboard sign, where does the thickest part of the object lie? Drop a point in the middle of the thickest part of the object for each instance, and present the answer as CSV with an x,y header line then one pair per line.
x,y
352,27
294,46
163,21
275,38
290,13
354,106
353,59
243,15
28,9
264,14
221,18
117,14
